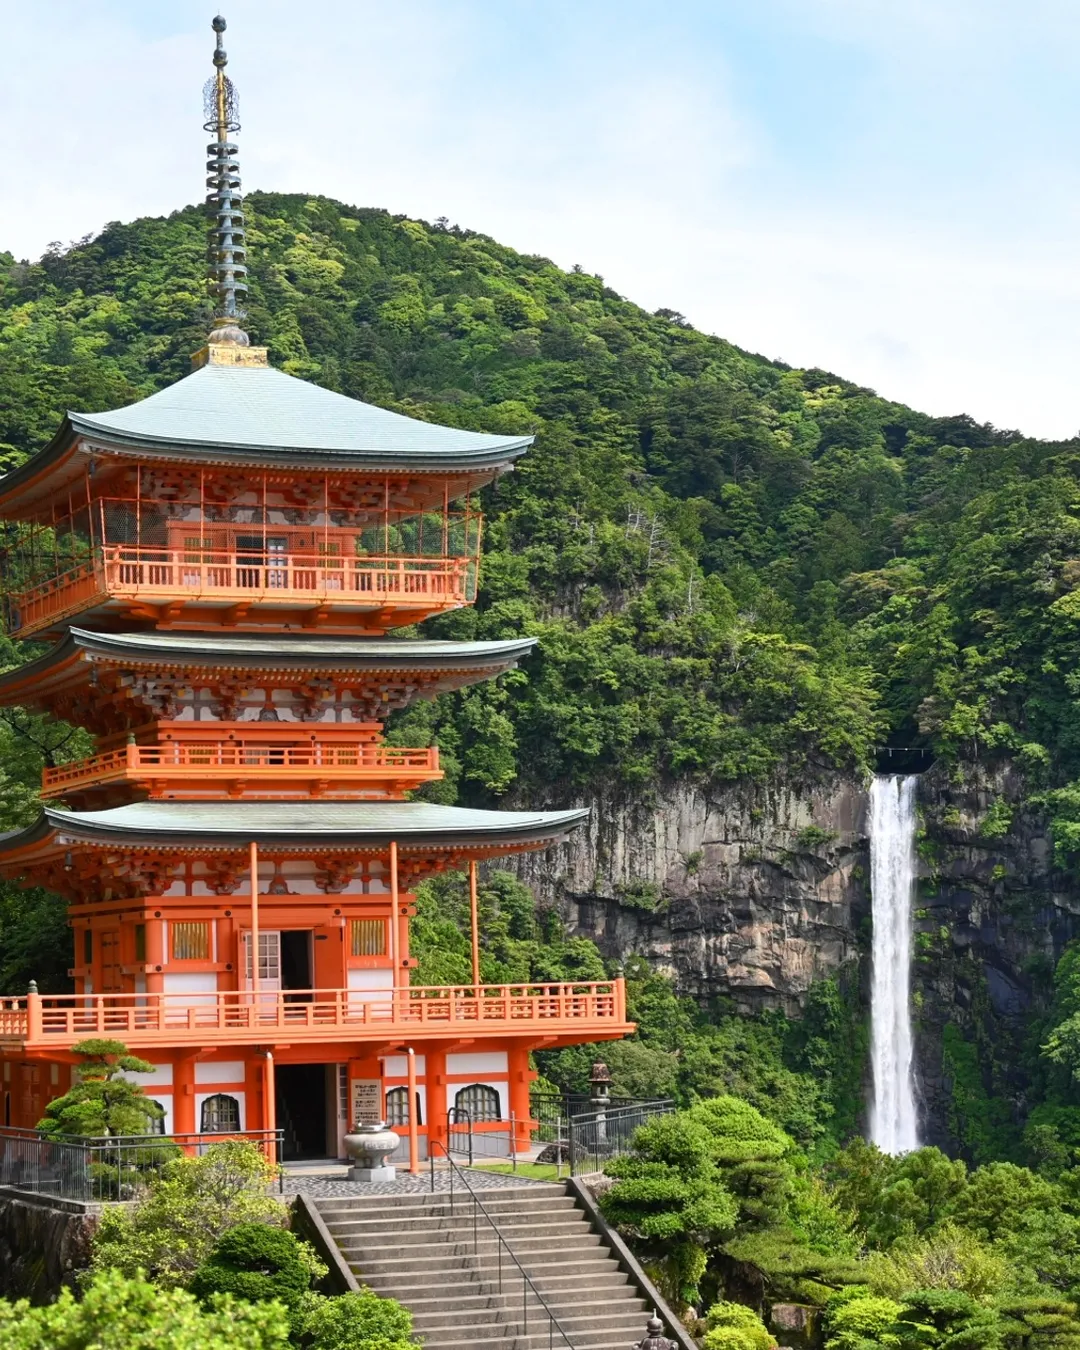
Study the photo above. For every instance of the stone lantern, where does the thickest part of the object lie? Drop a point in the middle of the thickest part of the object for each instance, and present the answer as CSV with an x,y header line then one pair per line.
x,y
369,1146
600,1085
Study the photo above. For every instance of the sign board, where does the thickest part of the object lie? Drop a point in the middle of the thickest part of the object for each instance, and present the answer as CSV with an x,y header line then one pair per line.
x,y
367,1103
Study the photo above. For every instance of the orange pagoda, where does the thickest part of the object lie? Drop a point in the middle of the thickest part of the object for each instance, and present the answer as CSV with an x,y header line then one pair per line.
x,y
218,568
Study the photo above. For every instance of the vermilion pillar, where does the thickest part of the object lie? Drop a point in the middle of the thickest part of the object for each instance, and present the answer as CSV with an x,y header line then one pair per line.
x,y
520,1078
435,1082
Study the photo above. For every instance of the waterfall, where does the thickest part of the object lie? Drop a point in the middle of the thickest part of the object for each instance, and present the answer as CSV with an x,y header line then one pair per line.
x,y
893,1117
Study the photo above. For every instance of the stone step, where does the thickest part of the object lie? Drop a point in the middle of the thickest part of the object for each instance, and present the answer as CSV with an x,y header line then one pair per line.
x,y
613,1283
503,1202
492,1338
531,1191
436,1222
454,1241
442,1230
611,1320
585,1303
554,1264
567,1231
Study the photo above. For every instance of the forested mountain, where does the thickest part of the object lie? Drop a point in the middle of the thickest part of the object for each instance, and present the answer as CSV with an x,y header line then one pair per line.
x,y
732,565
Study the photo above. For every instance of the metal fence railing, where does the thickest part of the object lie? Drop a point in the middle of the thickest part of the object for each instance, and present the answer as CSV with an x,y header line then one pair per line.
x,y
115,1168
596,1137
582,1140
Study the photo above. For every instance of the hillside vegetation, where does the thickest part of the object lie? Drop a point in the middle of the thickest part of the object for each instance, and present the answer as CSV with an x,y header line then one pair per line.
x,y
733,567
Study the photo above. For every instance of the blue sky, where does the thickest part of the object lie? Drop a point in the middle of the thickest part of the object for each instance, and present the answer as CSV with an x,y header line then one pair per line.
x,y
887,188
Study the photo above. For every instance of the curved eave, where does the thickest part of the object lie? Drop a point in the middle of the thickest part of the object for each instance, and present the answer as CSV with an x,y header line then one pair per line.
x,y
46,473
481,660
414,826
490,460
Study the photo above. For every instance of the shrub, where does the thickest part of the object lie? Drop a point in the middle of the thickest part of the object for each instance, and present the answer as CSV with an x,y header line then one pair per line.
x,y
733,1326
362,1321
256,1262
172,1229
855,1323
117,1313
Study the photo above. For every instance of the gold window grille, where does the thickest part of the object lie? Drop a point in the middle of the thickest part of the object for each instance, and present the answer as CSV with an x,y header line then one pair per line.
x,y
198,548
368,937
191,941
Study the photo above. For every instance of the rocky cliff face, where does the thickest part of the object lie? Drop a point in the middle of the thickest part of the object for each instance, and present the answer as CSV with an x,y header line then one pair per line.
x,y
749,892
755,892
993,916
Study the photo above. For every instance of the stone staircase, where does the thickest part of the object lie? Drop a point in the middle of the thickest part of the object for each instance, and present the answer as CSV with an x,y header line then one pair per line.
x,y
419,1250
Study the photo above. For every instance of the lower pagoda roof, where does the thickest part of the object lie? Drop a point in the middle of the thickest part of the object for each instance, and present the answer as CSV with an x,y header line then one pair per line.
x,y
301,826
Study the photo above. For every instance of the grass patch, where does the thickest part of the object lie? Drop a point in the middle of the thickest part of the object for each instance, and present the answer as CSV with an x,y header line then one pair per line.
x,y
538,1171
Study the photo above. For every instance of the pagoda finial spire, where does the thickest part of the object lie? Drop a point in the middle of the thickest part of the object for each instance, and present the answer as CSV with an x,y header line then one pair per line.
x,y
227,252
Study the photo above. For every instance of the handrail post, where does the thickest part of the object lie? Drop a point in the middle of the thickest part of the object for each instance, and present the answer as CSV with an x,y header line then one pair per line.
x,y
34,1027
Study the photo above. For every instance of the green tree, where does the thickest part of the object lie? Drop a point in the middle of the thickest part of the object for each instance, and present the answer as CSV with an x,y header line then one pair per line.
x,y
102,1101
669,1196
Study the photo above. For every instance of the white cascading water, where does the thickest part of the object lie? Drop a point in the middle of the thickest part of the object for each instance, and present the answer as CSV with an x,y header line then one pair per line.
x,y
894,1125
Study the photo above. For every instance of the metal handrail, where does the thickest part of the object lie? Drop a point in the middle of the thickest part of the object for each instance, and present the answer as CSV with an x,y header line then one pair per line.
x,y
527,1285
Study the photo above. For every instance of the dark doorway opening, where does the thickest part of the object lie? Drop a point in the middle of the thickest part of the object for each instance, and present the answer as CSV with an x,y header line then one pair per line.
x,y
296,963
301,1110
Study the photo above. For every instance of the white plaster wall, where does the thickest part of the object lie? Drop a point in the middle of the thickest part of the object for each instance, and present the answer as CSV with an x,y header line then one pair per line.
x,y
397,1066
488,1062
219,1071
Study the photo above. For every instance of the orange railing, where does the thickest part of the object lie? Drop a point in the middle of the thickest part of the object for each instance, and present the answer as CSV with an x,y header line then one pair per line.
x,y
180,759
176,1019
135,572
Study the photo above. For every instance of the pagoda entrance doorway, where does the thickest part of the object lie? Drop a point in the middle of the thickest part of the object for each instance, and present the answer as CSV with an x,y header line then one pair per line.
x,y
302,1095
286,962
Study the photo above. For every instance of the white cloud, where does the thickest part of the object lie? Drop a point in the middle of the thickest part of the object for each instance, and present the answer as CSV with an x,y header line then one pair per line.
x,y
901,207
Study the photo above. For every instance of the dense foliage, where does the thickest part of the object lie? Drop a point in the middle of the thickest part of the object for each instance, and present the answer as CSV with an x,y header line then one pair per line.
x,y
893,1252
731,566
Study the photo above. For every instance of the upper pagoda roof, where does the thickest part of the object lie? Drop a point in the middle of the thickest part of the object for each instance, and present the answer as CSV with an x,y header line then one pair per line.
x,y
254,414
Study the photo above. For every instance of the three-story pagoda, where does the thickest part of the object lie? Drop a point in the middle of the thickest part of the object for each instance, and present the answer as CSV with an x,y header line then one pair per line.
x,y
219,567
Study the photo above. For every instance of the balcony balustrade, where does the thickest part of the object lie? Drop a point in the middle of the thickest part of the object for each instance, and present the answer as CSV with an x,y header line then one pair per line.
x,y
214,768
39,1022
415,586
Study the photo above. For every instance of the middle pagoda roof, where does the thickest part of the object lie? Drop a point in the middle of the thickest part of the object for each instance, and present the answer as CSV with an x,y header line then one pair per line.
x,y
431,667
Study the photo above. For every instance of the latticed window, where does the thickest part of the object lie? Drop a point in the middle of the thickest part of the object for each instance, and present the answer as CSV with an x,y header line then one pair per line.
x,y
197,547
481,1102
191,941
157,1124
220,1114
368,937
397,1107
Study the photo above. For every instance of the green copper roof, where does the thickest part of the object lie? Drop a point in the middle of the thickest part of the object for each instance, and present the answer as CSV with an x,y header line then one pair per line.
x,y
378,653
307,824
244,411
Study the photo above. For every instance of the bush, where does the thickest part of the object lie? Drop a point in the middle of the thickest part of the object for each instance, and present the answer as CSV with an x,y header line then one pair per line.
x,y
172,1229
255,1262
362,1321
117,1313
733,1326
857,1323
